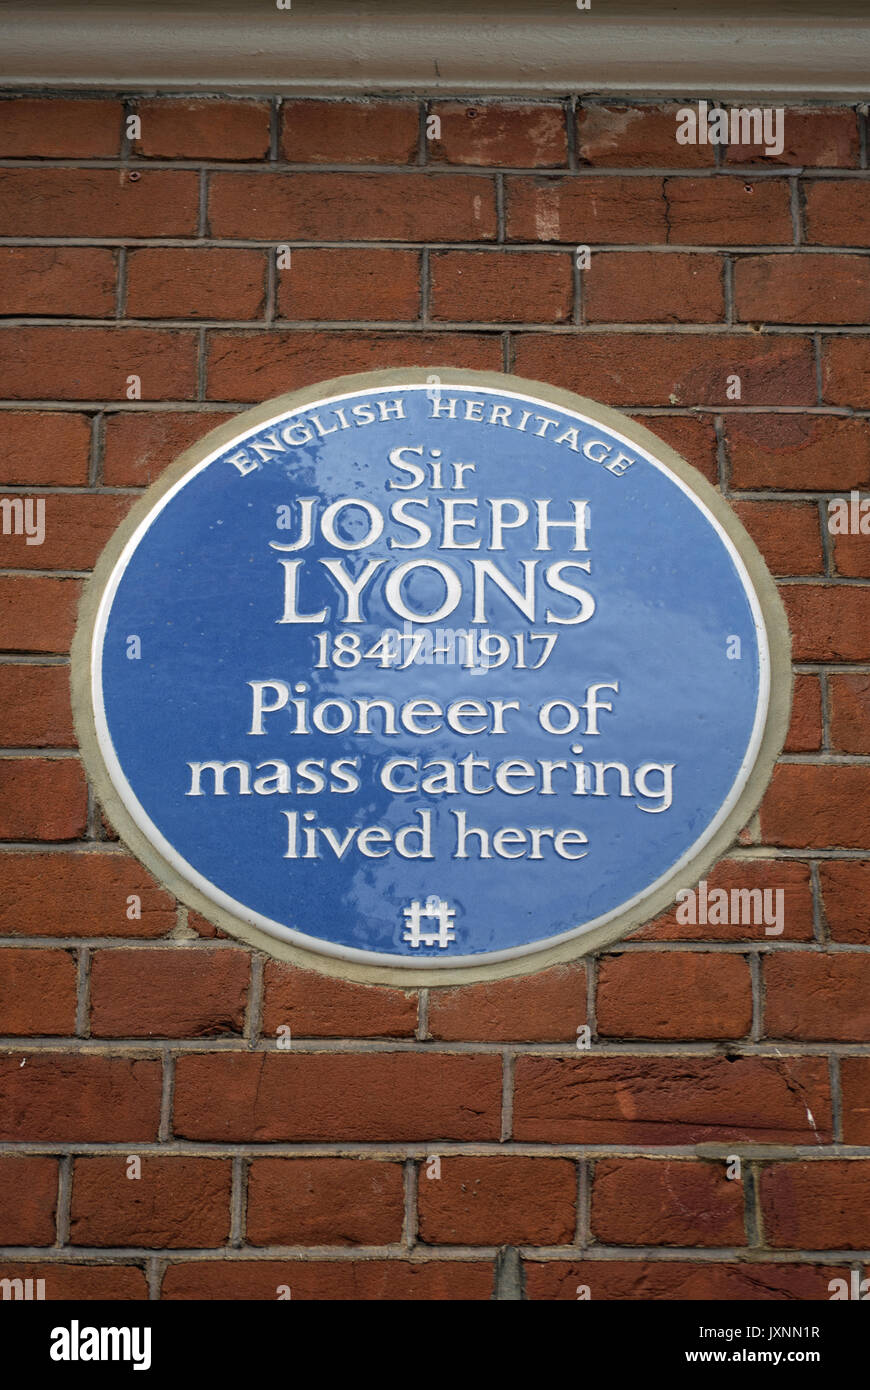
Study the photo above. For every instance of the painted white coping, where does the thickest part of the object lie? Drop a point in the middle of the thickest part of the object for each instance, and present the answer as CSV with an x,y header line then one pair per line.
x,y
333,47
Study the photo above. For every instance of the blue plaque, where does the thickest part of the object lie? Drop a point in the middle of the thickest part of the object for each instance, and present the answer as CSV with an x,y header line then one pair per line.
x,y
430,675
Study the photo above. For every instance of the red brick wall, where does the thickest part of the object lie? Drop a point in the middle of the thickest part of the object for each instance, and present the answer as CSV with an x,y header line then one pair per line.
x,y
156,1037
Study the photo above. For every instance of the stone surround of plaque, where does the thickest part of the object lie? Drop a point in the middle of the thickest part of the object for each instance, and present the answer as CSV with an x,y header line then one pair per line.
x,y
430,675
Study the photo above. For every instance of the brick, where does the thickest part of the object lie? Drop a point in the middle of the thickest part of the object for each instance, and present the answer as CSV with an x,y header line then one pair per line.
x,y
28,1200
324,1201
37,992
98,202
852,546
825,805
646,287
95,363
80,895
349,132
788,875
177,993
82,1283
636,137
846,372
320,1006
253,366
140,444
327,1096
527,136
644,1201
852,549
35,709
197,282
671,1100
177,1203
805,728
45,448
678,994
802,452
500,1200
353,207
77,527
788,535
816,1206
671,369
72,281
828,622
660,1280
802,288
587,210
850,712
855,1080
837,212
332,1281
42,799
47,128
750,834
203,129
37,614
814,997
845,886
203,927
728,211
57,1097
350,283
824,136
503,287
693,439
546,1007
